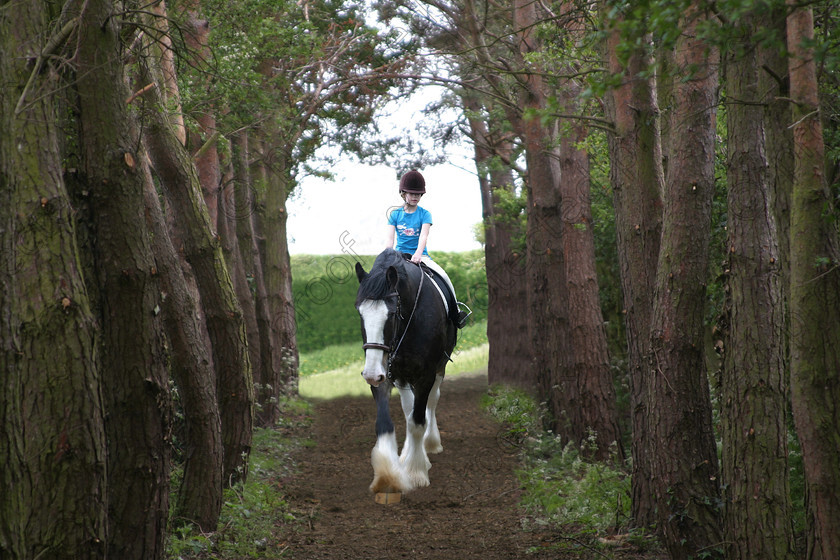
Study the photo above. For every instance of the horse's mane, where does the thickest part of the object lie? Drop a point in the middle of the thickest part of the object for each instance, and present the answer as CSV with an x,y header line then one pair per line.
x,y
375,284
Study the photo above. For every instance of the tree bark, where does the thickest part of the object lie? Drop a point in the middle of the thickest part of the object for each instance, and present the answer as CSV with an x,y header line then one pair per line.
x,y
548,298
270,355
52,436
225,325
684,463
203,142
774,84
164,54
230,246
757,508
507,327
595,420
135,378
637,180
200,494
814,300
278,276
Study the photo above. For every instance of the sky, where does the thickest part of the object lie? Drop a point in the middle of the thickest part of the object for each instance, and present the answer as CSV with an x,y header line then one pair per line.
x,y
350,212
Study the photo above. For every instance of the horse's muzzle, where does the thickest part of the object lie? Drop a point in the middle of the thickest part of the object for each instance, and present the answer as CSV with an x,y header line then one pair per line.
x,y
374,379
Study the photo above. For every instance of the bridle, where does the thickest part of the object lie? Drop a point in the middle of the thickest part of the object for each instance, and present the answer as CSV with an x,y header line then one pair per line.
x,y
391,349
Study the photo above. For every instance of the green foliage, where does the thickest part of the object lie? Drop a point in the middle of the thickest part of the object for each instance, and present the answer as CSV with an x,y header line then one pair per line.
x,y
252,510
510,212
324,288
309,72
561,488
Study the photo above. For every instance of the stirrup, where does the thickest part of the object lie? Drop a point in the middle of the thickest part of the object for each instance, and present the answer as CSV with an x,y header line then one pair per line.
x,y
461,322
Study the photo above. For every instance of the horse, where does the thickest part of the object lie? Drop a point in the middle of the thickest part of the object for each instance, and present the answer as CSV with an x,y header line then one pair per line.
x,y
408,337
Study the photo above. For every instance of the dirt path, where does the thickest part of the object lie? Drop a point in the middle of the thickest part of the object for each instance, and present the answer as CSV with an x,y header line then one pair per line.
x,y
469,511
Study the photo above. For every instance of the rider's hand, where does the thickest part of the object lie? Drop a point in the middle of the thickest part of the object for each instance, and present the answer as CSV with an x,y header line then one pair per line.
x,y
416,257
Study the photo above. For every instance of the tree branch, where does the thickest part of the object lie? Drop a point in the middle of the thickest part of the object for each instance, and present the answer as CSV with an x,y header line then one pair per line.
x,y
49,49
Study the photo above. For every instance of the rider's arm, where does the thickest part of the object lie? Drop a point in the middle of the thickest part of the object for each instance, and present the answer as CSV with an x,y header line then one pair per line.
x,y
421,243
392,232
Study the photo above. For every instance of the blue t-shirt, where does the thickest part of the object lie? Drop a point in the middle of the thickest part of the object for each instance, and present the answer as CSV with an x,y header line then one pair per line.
x,y
408,227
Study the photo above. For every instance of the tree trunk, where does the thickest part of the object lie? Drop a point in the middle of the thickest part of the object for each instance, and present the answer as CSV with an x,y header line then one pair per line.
x,y
278,276
200,494
774,85
203,142
135,378
595,414
814,301
227,229
637,180
684,463
757,508
270,355
507,327
53,502
164,54
225,325
546,270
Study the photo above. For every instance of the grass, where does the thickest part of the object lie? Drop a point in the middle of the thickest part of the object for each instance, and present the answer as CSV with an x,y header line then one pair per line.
x,y
347,381
335,371
251,511
585,499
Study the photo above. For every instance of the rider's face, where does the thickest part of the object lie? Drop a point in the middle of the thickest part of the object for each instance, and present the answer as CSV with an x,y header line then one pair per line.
x,y
411,199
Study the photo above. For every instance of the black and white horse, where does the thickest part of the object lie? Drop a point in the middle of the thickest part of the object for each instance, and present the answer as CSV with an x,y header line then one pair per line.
x,y
408,339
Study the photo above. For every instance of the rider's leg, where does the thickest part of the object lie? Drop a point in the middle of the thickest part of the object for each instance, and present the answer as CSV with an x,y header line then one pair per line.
x,y
461,315
437,268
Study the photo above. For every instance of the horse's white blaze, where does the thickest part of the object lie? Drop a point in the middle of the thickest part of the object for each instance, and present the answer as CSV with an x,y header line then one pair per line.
x,y
388,475
374,314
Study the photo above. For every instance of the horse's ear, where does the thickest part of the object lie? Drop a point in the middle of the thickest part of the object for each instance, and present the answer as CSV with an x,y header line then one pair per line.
x,y
392,277
360,272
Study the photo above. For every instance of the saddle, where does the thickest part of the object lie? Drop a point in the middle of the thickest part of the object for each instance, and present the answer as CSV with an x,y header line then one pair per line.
x,y
458,317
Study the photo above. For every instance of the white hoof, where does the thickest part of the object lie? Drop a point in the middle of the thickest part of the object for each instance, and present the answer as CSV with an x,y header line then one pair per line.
x,y
418,479
432,446
388,476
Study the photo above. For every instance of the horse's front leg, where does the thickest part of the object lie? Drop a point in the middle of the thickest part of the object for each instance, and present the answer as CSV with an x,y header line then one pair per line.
x,y
413,456
388,475
432,436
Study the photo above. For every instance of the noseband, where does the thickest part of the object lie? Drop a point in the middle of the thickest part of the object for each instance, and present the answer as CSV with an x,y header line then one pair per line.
x,y
376,346
395,345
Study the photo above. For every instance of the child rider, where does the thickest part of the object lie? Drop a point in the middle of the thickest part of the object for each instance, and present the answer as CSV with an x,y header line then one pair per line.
x,y
409,226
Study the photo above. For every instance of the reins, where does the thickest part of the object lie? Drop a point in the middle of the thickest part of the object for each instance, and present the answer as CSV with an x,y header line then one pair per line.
x,y
408,323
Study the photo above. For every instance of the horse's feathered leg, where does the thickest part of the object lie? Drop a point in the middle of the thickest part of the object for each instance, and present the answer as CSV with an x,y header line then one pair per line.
x,y
407,402
431,439
388,475
414,458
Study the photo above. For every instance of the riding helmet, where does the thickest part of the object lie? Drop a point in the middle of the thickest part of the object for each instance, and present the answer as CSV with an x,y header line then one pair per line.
x,y
413,182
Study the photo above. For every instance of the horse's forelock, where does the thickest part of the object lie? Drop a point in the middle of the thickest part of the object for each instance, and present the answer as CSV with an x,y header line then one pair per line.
x,y
375,284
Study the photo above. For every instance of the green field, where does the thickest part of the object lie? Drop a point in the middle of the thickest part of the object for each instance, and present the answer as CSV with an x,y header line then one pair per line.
x,y
347,381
